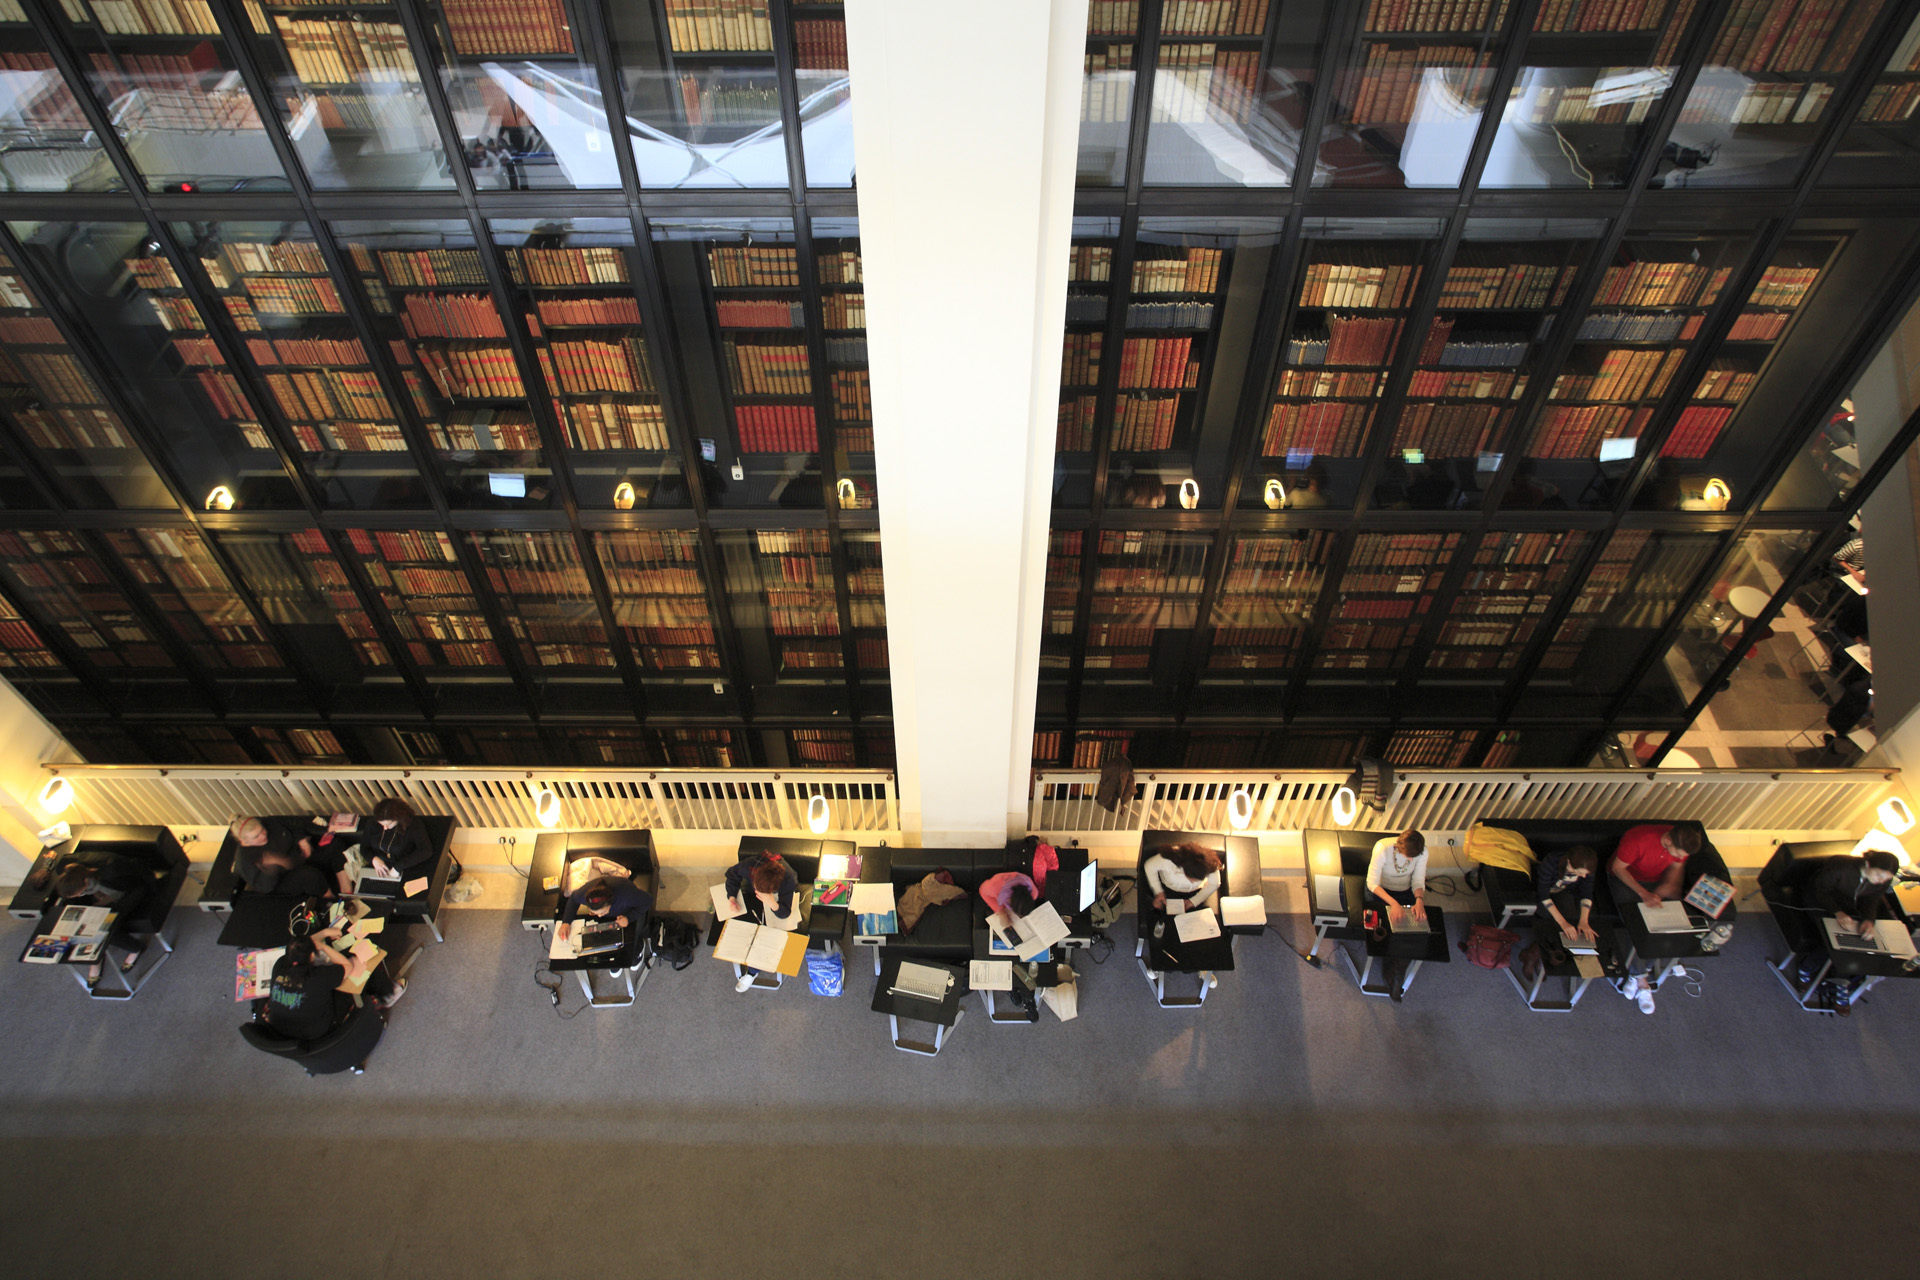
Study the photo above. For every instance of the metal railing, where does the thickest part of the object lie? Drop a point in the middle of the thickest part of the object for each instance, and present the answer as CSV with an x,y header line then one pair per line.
x,y
1062,804
858,800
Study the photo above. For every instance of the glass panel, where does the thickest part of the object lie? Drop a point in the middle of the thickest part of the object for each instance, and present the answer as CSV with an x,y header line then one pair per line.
x,y
1570,122
1759,103
17,491
1624,601
1386,593
1089,285
820,75
431,606
1062,605
780,586
704,748
1716,448
572,282
1261,613
1356,287
1106,92
348,91
428,292
46,143
278,293
1649,309
527,107
1146,600
194,744
543,590
1222,114
843,307
1407,106
299,746
167,79
128,291
305,593
1823,476
57,408
1430,748
867,602
821,748
1496,612
1191,314
733,288
703,99
660,601
1881,148
615,748
54,574
1499,302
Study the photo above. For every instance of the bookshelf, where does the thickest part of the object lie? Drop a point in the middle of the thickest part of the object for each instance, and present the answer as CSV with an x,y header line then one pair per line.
x,y
1264,606
1146,600
542,589
1397,73
755,296
1880,145
572,287
282,304
1062,601
1387,590
348,90
1230,93
58,413
780,584
866,604
305,589
1106,92
179,105
1083,372
182,578
61,583
1496,608
1652,301
1500,300
660,602
431,303
46,141
1760,102
843,312
1350,315
823,88
1430,748
705,748
418,579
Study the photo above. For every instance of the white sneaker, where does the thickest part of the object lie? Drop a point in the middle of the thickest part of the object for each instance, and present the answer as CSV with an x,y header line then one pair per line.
x,y
1209,977
1631,987
1646,1000
746,981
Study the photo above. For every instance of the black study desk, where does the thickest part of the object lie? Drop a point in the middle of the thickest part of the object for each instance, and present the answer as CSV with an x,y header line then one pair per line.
x,y
1414,947
123,986
1870,967
621,961
942,1014
1167,954
1044,972
1612,967
1661,951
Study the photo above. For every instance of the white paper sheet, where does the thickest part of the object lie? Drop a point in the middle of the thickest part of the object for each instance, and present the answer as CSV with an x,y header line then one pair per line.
x,y
720,907
990,975
1197,926
872,899
1250,909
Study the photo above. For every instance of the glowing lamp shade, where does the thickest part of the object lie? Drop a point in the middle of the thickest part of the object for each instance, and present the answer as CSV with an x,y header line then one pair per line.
x,y
623,496
1240,809
220,499
1346,806
817,814
1275,495
1884,843
546,806
56,796
849,496
1895,816
1189,494
1717,493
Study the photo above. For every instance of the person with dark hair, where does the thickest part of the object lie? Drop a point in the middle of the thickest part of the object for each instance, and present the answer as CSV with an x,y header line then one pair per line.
x,y
99,879
303,1000
265,850
772,902
1564,883
1397,875
1010,892
1651,860
394,840
1854,890
1187,871
609,895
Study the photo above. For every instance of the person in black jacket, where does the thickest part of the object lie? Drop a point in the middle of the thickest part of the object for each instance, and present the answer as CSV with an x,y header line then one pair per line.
x,y
1854,890
265,849
394,840
1564,884
774,885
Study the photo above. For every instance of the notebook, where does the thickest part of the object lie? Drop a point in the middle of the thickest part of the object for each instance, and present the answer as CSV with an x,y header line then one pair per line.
x,y
1197,926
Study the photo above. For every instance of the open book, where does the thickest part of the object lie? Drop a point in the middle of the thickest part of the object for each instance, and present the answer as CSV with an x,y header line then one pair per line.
x,y
759,946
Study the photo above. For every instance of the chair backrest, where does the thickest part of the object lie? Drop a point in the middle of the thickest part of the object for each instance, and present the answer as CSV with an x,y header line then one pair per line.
x,y
1355,848
267,1040
1793,866
969,866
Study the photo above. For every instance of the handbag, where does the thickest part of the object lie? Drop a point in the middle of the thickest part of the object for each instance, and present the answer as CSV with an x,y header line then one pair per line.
x,y
1488,947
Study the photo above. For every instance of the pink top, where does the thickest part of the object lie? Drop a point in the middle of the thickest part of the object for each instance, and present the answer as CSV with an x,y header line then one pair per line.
x,y
994,889
1044,860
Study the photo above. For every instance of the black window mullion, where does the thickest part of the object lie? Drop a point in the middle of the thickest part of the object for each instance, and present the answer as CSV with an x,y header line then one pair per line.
x,y
50,21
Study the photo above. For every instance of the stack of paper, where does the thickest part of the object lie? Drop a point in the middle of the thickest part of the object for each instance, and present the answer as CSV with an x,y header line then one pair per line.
x,y
873,909
1197,926
990,975
1248,910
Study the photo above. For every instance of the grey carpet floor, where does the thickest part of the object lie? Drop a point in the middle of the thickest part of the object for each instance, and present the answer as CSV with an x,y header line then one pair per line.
x,y
1291,1126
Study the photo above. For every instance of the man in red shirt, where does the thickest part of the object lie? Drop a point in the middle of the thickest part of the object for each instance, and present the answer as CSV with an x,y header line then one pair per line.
x,y
1651,860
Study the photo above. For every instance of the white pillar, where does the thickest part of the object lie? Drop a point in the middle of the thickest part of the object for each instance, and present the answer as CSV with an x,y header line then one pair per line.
x,y
1882,399
965,124
28,743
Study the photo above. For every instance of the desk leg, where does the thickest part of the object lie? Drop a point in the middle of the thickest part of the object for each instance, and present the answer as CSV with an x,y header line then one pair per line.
x,y
1158,981
1579,989
158,951
613,1000
1013,1018
1319,936
1359,974
1413,971
921,1047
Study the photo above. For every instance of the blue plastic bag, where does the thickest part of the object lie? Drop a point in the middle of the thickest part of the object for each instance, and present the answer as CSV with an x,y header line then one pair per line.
x,y
826,975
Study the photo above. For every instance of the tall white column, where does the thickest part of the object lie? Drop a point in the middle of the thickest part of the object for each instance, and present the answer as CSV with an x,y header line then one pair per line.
x,y
1883,397
965,123
28,742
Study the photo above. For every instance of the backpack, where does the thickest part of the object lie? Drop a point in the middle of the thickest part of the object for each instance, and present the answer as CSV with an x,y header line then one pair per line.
x,y
675,941
1488,947
1116,782
1105,912
826,975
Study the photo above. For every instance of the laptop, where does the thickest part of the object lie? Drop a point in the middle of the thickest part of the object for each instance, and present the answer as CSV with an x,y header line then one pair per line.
x,y
1409,924
922,982
1889,936
590,939
1669,917
1579,946
368,883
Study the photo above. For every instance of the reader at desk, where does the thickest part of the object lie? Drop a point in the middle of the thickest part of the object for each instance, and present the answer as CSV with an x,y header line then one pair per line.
x,y
107,890
1844,928
1177,922
602,904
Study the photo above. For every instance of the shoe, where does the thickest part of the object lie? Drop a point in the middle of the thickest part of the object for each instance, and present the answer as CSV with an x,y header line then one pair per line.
x,y
1209,977
1646,1000
133,957
746,981
399,989
1631,987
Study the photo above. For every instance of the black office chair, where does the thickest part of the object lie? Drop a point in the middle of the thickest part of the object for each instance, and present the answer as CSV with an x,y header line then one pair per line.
x,y
345,1048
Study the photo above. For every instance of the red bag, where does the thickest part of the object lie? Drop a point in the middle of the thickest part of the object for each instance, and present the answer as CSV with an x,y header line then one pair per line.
x,y
1488,947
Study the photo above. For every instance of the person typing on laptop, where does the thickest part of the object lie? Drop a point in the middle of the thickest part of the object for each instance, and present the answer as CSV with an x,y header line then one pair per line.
x,y
604,897
1013,894
395,841
1651,860
1854,890
1564,883
1397,875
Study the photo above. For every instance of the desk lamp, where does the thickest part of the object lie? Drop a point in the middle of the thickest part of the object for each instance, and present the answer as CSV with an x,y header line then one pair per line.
x,y
1240,809
1895,817
817,814
546,806
57,795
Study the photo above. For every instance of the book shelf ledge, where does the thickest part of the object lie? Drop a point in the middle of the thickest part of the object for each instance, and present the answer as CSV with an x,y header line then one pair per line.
x,y
724,55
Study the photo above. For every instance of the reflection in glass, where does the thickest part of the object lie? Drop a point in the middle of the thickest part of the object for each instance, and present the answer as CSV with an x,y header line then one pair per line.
x,y
1106,94
867,602
526,105
1568,126
1264,606
431,302
780,588
703,100
24,657
348,91
200,416
178,571
46,143
429,602
1881,148
1219,117
660,601
1408,106
843,307
1496,612
1089,285
166,78
1386,593
1760,102
820,76
277,291
540,584
305,592
54,574
57,408
572,280
1146,601
1062,605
